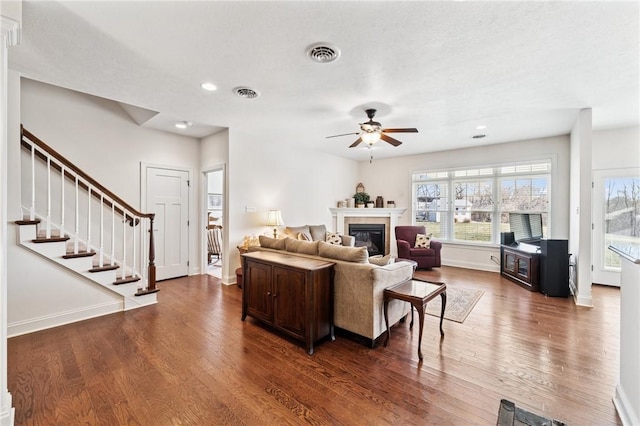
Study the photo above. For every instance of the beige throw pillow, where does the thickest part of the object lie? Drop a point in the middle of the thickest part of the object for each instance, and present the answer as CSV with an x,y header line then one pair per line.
x,y
295,231
423,241
333,238
317,232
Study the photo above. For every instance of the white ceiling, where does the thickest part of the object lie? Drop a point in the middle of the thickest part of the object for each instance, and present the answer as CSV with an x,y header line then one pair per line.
x,y
523,69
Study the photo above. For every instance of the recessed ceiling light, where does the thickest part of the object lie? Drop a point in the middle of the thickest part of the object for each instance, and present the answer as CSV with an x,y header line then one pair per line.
x,y
183,124
479,136
209,86
481,127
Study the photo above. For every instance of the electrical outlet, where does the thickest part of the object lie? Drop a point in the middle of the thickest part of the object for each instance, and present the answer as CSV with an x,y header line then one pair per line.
x,y
249,209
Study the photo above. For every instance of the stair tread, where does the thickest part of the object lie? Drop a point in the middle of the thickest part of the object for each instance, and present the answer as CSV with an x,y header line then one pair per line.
x,y
50,240
27,222
103,268
126,280
79,254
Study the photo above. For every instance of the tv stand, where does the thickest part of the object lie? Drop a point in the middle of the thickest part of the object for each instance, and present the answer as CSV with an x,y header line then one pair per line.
x,y
537,265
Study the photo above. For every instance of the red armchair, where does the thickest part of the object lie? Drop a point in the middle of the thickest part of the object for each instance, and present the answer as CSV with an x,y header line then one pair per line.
x,y
426,258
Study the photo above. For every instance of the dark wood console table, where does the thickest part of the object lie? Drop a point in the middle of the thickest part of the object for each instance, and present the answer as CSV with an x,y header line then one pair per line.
x,y
290,293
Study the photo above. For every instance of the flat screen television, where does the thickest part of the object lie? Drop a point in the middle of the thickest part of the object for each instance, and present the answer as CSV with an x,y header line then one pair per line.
x,y
526,226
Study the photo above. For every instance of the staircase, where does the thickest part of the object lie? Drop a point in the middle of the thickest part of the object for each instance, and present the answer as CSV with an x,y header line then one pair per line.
x,y
107,240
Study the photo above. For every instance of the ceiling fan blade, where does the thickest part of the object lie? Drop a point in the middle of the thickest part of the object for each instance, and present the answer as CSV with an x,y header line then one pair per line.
x,y
356,143
389,139
407,130
344,134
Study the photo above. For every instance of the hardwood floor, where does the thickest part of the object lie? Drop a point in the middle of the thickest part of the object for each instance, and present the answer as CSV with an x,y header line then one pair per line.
x,y
191,360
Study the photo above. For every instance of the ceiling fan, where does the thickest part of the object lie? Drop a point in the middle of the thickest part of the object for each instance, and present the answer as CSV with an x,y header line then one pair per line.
x,y
372,131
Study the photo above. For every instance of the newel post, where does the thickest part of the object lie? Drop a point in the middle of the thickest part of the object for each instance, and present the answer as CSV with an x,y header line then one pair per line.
x,y
151,276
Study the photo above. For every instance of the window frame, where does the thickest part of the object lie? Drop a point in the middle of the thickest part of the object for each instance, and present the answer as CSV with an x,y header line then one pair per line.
x,y
496,173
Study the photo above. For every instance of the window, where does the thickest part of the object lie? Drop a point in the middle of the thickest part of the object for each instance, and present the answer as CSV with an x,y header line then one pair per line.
x,y
473,205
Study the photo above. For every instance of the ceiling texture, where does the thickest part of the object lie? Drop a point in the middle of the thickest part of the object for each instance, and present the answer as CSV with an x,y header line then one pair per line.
x,y
522,69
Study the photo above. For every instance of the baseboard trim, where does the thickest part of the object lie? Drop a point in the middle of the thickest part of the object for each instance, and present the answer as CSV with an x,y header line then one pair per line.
x,y
624,408
475,266
49,321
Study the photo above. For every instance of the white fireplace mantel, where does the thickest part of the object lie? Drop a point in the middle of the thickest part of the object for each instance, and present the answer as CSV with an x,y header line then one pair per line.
x,y
340,213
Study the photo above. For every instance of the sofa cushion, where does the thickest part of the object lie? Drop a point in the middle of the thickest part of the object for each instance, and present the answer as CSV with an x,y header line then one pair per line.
x,y
317,232
302,247
348,254
381,260
271,243
295,231
333,238
422,241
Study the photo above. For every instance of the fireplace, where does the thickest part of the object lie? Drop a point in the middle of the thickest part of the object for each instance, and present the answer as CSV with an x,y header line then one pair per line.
x,y
371,236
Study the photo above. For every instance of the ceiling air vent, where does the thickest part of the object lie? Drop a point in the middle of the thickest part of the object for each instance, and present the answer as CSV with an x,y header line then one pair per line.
x,y
323,52
479,136
245,92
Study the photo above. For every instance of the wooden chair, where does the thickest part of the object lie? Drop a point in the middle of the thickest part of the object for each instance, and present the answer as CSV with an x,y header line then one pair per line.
x,y
214,242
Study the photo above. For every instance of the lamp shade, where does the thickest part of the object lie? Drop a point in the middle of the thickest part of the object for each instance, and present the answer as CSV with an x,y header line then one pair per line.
x,y
274,218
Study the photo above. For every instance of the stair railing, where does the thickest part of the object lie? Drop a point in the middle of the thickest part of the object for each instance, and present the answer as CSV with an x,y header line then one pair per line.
x,y
126,251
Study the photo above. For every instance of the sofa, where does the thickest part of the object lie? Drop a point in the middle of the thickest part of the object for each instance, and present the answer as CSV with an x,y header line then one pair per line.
x,y
358,283
426,257
317,233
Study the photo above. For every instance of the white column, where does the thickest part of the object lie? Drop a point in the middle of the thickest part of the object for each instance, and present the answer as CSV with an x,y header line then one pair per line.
x,y
10,14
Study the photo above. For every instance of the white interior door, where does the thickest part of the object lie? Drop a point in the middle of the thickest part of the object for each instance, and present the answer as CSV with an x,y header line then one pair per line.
x,y
616,220
168,198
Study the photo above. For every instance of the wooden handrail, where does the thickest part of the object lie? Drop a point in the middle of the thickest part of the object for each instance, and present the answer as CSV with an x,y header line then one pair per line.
x,y
78,171
151,279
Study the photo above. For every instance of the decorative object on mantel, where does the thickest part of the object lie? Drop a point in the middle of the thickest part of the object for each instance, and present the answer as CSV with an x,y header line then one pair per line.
x,y
361,199
351,203
342,204
391,204
370,204
379,202
360,188
274,218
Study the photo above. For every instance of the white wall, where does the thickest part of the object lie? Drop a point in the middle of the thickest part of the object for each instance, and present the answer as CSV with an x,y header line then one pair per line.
x,y
266,172
391,178
580,205
616,148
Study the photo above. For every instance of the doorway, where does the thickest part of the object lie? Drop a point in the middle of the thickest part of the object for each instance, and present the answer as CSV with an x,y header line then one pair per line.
x,y
616,220
215,221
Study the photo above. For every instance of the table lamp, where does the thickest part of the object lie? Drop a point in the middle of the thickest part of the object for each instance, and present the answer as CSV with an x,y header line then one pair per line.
x,y
275,219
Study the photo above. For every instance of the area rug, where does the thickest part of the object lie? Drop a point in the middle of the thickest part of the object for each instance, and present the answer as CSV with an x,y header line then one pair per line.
x,y
460,302
510,415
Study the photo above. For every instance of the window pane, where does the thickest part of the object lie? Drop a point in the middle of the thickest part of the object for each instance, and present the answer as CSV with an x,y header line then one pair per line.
x,y
432,204
525,194
622,215
477,228
473,206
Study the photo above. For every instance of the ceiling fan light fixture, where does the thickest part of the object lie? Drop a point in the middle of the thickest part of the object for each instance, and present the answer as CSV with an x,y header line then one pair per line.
x,y
323,53
370,137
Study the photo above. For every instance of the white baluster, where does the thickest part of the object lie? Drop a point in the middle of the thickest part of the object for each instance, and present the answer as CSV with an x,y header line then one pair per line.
x,y
143,255
124,245
76,235
113,233
62,200
100,259
32,210
134,263
88,217
48,228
